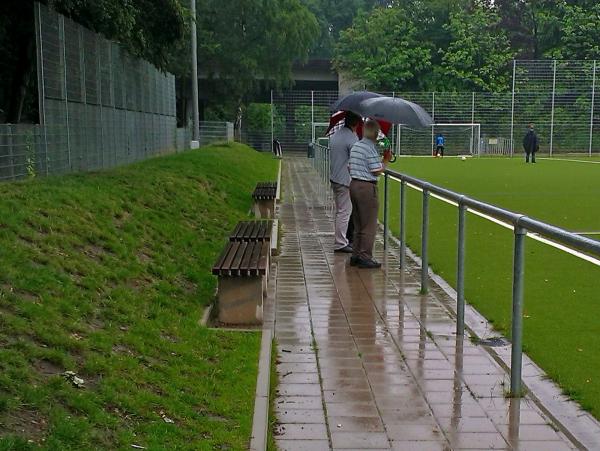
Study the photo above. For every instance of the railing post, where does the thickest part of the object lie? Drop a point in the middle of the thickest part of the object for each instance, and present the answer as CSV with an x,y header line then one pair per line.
x,y
460,272
385,211
552,111
402,225
512,110
517,311
424,243
591,142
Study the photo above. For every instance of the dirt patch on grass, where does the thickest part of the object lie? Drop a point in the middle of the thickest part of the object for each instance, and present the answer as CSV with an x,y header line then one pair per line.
x,y
19,294
168,337
141,283
122,349
187,286
94,252
30,425
144,256
47,368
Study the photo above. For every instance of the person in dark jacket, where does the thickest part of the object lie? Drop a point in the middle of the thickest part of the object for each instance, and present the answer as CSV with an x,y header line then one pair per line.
x,y
530,144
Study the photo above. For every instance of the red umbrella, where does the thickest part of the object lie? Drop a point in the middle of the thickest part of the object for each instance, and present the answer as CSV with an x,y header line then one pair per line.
x,y
336,121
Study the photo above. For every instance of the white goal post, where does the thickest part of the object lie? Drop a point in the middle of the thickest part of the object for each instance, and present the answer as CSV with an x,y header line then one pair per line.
x,y
460,138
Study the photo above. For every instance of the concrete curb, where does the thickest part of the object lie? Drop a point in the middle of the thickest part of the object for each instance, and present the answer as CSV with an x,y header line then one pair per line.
x,y
260,422
206,315
278,194
580,426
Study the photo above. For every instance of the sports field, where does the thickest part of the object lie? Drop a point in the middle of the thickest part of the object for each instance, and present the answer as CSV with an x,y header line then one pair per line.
x,y
562,292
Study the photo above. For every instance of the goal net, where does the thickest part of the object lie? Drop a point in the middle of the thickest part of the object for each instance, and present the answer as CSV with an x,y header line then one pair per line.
x,y
459,139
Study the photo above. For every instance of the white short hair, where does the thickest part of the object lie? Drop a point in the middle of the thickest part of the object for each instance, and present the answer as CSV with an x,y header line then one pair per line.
x,y
371,129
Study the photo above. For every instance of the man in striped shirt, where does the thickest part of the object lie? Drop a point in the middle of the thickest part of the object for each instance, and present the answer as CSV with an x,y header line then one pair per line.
x,y
365,166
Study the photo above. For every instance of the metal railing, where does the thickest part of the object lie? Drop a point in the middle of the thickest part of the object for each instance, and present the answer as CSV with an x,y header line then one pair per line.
x,y
521,225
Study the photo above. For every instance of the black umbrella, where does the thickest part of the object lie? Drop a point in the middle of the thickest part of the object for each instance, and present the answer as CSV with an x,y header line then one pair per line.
x,y
394,110
351,102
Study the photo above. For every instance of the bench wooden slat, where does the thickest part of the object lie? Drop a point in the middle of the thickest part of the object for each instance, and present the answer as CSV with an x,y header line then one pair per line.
x,y
252,231
219,264
245,267
230,256
265,191
237,229
254,259
239,255
255,234
242,232
263,259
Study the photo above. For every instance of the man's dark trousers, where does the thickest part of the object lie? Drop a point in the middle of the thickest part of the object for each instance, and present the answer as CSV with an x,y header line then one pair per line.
x,y
528,154
365,205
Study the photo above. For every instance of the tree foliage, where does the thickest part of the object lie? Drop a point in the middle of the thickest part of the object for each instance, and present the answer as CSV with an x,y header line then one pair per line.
x,y
147,28
384,49
452,45
580,33
243,42
478,53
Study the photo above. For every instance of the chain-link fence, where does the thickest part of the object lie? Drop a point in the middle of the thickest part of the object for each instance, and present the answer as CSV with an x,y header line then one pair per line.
x,y
215,131
558,97
99,107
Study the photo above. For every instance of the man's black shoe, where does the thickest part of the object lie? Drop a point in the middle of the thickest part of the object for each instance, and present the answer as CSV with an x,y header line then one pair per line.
x,y
368,264
344,250
354,260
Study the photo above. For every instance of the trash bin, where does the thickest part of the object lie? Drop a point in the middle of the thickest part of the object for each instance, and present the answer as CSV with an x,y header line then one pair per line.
x,y
311,150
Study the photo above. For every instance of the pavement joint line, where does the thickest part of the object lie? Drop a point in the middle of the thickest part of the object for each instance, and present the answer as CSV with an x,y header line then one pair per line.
x,y
385,428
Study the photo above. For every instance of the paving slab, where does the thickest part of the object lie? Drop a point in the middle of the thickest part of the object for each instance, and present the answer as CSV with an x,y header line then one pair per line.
x,y
366,362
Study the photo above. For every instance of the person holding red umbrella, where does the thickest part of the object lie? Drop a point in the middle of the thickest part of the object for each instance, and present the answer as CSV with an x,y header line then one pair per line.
x,y
340,144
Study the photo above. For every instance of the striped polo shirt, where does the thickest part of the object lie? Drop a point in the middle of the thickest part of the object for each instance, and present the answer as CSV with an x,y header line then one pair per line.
x,y
364,158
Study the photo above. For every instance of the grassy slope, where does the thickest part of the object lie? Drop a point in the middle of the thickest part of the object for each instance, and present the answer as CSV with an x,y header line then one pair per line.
x,y
562,307
106,274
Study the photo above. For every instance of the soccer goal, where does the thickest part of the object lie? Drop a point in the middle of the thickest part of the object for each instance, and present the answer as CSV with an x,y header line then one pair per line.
x,y
458,139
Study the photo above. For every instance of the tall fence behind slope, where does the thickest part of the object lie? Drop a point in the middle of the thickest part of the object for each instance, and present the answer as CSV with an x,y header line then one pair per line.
x,y
99,106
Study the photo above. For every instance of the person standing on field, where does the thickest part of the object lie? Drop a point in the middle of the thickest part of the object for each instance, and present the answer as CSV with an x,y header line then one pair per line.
x,y
365,166
439,145
530,144
339,153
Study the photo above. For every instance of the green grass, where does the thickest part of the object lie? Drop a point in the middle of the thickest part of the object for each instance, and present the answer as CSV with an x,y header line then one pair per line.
x,y
106,275
562,303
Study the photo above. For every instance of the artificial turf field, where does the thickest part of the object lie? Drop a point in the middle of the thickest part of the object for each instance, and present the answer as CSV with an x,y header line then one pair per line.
x,y
562,292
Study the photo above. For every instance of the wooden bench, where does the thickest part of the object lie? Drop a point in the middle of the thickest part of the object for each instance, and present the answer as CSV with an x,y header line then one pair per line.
x,y
264,196
252,231
242,269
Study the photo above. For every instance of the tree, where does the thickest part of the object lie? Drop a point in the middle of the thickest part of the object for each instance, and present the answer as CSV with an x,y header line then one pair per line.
x,y
533,25
580,37
479,53
385,50
248,42
333,17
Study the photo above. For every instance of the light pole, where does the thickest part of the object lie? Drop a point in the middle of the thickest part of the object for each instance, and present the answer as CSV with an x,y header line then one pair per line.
x,y
195,110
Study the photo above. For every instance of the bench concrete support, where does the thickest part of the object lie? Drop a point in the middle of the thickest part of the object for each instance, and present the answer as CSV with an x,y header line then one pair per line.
x,y
264,208
240,300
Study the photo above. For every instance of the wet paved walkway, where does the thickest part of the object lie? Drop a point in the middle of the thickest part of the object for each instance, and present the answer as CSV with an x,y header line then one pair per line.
x,y
365,362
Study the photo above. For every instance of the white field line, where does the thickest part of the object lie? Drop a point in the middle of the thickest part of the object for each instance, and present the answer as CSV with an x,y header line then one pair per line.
x,y
506,225
569,159
586,233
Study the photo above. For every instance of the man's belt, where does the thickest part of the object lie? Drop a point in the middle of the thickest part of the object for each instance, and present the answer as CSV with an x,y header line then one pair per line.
x,y
374,182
